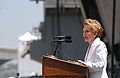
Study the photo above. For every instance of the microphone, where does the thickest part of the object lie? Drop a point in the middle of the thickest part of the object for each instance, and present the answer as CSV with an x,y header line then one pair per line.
x,y
66,37
68,41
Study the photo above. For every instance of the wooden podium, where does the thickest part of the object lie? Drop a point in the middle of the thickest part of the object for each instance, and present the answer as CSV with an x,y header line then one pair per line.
x,y
56,68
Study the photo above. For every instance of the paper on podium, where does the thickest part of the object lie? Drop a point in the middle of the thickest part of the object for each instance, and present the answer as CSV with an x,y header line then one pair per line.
x,y
80,61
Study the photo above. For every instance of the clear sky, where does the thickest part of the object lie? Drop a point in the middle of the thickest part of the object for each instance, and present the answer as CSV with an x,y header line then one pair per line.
x,y
16,18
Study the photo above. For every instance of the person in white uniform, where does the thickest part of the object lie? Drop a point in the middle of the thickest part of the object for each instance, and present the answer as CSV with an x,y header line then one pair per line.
x,y
96,55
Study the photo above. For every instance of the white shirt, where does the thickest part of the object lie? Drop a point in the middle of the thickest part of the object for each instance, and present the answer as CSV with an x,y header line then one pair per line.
x,y
96,59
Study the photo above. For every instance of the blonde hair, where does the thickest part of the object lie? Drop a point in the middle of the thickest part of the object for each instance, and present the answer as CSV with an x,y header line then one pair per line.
x,y
95,26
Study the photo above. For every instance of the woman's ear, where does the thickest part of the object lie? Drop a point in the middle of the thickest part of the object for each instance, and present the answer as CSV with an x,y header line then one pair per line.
x,y
95,34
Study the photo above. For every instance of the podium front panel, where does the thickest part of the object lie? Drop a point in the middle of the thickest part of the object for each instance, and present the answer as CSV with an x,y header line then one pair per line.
x,y
56,68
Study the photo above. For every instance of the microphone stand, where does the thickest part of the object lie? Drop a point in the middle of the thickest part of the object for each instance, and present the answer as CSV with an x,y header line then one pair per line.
x,y
56,48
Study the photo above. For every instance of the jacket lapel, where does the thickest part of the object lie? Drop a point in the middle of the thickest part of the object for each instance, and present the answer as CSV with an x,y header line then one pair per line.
x,y
85,59
91,51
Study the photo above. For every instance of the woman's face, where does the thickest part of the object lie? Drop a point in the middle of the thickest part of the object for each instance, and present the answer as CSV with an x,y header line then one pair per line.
x,y
88,34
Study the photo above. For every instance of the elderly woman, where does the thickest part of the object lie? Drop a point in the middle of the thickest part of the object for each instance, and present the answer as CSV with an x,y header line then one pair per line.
x,y
96,56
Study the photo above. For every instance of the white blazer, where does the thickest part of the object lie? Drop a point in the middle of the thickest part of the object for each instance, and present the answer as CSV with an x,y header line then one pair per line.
x,y
96,59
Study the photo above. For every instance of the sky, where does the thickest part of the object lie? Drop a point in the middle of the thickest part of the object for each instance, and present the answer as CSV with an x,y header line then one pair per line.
x,y
16,18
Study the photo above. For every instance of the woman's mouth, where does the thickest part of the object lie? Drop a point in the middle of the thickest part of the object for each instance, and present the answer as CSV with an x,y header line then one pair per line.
x,y
86,37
